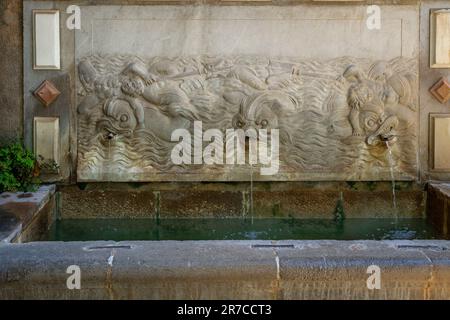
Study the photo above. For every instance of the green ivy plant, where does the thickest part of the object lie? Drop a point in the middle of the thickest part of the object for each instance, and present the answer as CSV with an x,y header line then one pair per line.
x,y
18,169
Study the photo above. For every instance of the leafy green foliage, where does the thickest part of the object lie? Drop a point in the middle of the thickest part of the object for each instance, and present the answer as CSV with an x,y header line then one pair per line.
x,y
48,166
17,169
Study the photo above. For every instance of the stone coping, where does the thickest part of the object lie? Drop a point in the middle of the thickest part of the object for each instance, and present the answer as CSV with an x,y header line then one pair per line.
x,y
18,209
243,2
438,206
442,187
417,269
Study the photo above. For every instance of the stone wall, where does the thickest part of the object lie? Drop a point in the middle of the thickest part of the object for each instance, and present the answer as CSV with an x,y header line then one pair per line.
x,y
428,104
438,207
11,101
12,107
317,74
300,200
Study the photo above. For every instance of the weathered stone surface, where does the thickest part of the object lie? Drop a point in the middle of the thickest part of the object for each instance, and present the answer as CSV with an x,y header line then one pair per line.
x,y
428,104
270,199
198,270
333,108
194,204
441,90
311,204
316,271
62,79
331,126
46,142
37,229
11,88
44,265
440,136
380,204
440,39
47,93
401,9
302,204
18,211
87,204
227,270
333,31
438,207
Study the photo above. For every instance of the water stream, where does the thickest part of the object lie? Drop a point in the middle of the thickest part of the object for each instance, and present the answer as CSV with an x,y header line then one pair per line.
x,y
391,169
110,160
251,193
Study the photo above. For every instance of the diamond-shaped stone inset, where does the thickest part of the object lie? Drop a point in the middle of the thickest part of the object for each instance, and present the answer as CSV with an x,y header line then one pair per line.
x,y
441,90
47,93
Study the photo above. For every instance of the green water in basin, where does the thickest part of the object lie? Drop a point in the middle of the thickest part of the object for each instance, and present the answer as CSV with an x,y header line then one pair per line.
x,y
240,229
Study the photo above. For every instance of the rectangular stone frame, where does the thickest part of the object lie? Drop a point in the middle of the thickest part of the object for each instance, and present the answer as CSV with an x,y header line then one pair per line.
x,y
406,26
433,38
432,144
57,64
55,137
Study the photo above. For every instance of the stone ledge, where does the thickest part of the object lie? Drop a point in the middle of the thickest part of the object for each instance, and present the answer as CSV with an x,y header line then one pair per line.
x,y
244,2
18,210
438,207
227,270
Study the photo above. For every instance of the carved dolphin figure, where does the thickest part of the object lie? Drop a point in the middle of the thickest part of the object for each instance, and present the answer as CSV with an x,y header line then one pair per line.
x,y
261,111
384,131
119,120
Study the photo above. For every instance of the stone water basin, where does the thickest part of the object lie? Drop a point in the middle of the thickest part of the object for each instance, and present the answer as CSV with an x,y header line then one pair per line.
x,y
234,258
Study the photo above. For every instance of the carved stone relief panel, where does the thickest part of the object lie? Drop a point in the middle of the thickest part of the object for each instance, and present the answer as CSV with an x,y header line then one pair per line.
x,y
340,119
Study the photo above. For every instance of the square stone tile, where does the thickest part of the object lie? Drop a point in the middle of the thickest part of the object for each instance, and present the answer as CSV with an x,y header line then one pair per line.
x,y
441,90
47,93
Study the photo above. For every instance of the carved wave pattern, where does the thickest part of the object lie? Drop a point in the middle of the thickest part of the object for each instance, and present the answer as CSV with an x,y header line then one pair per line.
x,y
335,117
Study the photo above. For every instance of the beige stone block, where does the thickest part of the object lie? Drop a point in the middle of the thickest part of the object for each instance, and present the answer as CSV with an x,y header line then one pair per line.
x,y
440,39
46,40
441,142
441,90
46,138
306,32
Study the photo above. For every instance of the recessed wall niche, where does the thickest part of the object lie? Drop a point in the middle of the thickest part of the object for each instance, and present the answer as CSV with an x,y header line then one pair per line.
x,y
440,38
46,40
46,138
440,142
